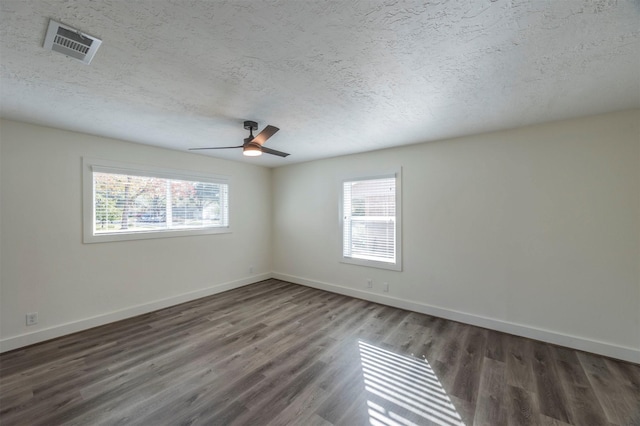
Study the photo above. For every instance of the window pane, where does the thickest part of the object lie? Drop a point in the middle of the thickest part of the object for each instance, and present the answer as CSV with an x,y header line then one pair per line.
x,y
130,203
373,240
197,204
369,228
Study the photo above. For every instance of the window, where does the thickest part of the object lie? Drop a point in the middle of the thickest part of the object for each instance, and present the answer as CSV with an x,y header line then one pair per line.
x,y
371,221
124,202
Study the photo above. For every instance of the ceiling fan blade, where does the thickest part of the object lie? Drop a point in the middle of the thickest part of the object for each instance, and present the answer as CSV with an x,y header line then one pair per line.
x,y
265,134
273,151
216,147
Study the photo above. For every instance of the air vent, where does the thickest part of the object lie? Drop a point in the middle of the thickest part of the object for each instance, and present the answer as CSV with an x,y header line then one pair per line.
x,y
71,42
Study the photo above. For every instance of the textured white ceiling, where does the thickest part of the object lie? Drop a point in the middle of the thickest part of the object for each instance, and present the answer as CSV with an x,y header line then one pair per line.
x,y
337,77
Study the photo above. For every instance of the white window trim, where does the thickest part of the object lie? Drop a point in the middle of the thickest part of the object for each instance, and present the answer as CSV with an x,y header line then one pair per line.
x,y
397,266
90,165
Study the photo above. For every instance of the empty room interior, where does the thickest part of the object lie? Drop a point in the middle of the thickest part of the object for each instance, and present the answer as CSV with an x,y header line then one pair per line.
x,y
385,213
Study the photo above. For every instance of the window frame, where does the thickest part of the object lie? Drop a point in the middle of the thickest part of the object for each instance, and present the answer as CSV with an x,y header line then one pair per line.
x,y
393,266
98,165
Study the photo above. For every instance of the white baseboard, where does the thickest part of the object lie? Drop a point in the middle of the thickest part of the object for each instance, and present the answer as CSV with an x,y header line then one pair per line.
x,y
38,336
574,342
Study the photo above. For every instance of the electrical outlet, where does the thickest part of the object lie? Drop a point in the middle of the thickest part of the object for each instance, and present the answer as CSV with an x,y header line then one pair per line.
x,y
385,287
369,283
32,318
251,269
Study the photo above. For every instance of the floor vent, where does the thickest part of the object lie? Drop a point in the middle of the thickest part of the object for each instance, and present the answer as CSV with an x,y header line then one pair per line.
x,y
71,42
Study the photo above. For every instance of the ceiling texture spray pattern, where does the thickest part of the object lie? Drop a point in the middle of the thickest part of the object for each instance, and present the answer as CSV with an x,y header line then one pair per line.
x,y
336,77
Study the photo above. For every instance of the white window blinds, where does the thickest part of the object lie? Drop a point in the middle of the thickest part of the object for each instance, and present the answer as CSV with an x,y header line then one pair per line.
x,y
369,219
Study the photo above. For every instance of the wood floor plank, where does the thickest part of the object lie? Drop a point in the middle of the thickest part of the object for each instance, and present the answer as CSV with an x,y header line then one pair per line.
x,y
492,400
522,408
496,347
627,377
465,409
552,401
620,405
305,402
341,398
469,366
409,337
520,363
357,414
447,353
313,420
584,405
282,354
281,397
550,421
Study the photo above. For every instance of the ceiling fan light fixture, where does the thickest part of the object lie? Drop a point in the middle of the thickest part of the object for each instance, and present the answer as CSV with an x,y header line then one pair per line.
x,y
252,150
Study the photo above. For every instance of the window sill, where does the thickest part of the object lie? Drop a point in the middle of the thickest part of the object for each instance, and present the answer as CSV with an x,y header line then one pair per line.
x,y
372,264
147,235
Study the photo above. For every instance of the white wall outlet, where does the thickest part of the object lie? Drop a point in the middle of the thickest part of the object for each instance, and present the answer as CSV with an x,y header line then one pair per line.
x,y
369,283
385,287
32,318
251,269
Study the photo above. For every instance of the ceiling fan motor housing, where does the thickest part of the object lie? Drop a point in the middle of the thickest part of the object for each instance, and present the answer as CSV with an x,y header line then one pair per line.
x,y
250,125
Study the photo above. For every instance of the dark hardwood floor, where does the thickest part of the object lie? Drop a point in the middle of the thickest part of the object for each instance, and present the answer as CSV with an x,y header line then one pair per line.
x,y
275,353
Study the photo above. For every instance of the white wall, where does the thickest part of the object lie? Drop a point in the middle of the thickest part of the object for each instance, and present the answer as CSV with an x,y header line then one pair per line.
x,y
533,231
46,268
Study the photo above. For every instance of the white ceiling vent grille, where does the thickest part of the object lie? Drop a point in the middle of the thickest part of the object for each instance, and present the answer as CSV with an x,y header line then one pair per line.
x,y
71,42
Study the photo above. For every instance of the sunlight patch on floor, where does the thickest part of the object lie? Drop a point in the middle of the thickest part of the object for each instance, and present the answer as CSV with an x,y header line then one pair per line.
x,y
404,391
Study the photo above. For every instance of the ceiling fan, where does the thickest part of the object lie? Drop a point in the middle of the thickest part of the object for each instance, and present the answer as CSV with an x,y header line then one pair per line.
x,y
253,146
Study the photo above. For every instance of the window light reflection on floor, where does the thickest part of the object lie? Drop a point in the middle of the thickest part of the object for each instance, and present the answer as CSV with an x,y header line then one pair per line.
x,y
404,391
